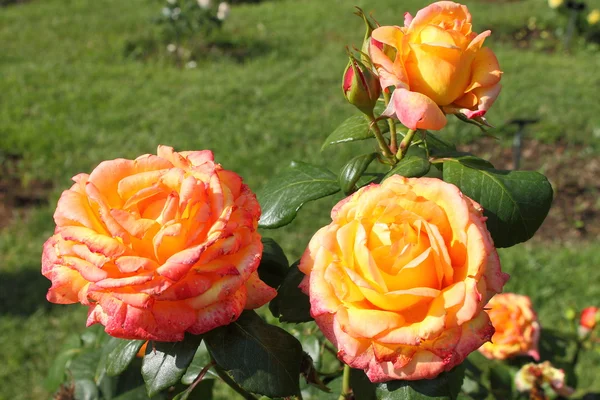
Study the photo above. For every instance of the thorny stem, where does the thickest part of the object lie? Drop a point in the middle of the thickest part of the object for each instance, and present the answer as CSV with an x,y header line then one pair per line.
x,y
346,390
405,144
380,139
392,124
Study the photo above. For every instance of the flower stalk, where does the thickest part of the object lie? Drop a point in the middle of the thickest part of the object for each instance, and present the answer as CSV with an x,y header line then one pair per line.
x,y
346,390
405,144
391,123
380,139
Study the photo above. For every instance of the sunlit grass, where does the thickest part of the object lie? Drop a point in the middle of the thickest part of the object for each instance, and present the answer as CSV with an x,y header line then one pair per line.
x,y
69,98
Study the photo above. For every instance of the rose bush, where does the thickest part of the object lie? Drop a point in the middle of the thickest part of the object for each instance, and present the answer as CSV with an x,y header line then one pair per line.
x,y
399,279
157,246
517,327
437,65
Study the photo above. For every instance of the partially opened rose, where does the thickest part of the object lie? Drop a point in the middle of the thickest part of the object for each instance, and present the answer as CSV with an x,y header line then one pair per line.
x,y
517,327
437,65
398,280
157,246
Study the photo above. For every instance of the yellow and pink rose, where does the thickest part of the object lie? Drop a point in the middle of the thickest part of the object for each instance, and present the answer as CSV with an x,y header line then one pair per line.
x,y
399,280
157,246
437,65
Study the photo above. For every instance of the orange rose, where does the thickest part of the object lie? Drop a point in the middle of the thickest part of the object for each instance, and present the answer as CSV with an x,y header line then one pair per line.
x,y
517,328
399,279
157,246
437,65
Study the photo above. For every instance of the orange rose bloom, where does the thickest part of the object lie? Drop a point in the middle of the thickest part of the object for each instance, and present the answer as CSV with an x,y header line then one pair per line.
x,y
399,279
517,328
437,65
157,246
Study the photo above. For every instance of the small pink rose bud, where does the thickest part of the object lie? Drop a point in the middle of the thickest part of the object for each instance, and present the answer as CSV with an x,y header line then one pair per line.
x,y
361,87
587,321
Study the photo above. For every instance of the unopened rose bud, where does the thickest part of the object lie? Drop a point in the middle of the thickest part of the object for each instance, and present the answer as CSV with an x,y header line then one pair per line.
x,y
361,87
587,321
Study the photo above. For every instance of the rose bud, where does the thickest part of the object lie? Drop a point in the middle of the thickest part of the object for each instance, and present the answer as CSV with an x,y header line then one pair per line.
x,y
587,321
361,87
517,328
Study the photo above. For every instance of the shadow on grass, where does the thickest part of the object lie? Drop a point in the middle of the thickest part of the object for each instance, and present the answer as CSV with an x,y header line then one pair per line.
x,y
150,47
23,292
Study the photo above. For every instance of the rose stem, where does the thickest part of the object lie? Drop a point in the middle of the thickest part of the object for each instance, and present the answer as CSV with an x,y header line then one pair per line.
x,y
405,144
345,395
380,139
393,145
201,375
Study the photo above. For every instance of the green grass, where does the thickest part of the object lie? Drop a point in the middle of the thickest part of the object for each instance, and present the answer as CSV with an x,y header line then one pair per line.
x,y
70,98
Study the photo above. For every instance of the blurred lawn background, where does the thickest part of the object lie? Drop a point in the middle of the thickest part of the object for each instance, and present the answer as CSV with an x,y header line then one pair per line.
x,y
70,97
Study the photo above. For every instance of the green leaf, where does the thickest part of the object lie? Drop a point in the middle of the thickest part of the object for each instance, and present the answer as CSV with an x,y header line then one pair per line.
x,y
352,129
56,373
261,358
353,170
83,366
201,359
410,167
138,393
308,371
165,363
515,202
273,264
202,391
311,345
438,145
106,383
282,196
361,385
85,389
466,159
335,387
501,382
122,355
445,386
291,304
